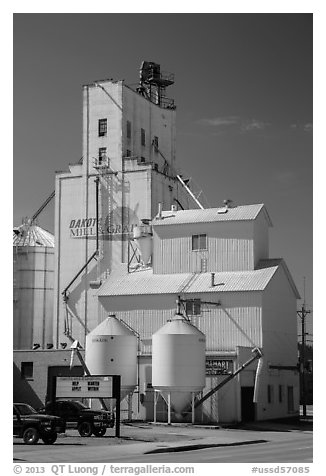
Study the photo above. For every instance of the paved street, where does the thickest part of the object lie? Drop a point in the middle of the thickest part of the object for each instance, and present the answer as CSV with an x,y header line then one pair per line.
x,y
147,444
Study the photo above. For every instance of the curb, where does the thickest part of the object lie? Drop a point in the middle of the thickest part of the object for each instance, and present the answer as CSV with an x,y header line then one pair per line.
x,y
175,449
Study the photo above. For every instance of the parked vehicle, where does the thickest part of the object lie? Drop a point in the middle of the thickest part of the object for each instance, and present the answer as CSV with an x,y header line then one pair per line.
x,y
31,425
78,415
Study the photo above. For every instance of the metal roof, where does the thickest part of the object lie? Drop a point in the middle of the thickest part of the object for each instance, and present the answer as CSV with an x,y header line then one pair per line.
x,y
145,282
32,235
243,212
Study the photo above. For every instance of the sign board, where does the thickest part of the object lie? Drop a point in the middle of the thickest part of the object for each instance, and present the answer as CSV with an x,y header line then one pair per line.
x,y
219,367
85,387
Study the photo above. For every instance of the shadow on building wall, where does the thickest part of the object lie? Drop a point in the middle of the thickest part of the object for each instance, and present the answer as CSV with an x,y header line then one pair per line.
x,y
23,392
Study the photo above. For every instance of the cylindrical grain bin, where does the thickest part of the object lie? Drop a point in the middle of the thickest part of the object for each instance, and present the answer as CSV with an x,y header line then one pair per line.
x,y
33,287
111,349
178,362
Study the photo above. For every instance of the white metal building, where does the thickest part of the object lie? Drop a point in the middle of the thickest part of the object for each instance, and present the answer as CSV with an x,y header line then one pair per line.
x,y
217,262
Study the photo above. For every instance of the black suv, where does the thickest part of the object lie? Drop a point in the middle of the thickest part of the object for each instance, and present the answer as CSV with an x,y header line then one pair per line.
x,y
31,425
77,415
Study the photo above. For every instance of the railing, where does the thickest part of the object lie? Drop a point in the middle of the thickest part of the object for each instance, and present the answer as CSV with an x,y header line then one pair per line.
x,y
162,101
163,76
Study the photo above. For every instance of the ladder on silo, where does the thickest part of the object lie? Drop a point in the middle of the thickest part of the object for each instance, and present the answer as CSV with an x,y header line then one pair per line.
x,y
167,167
105,173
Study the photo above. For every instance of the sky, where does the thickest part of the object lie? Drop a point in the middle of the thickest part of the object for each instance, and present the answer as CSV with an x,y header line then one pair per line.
x,y
244,95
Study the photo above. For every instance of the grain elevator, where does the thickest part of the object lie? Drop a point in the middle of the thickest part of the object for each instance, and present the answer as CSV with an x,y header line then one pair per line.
x,y
184,301
128,167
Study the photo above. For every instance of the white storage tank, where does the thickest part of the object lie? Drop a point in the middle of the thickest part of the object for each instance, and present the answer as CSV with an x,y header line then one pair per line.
x,y
111,349
33,287
178,362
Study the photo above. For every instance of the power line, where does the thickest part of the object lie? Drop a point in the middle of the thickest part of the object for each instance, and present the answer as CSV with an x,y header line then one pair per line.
x,y
302,313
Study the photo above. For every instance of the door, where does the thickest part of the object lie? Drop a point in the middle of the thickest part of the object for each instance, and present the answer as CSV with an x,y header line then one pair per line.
x,y
247,404
290,400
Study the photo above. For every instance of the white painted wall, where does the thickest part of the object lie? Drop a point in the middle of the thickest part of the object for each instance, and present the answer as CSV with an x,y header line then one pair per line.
x,y
230,247
155,121
125,197
279,328
236,323
261,238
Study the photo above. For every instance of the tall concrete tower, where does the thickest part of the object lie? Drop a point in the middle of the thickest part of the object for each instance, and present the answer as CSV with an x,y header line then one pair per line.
x,y
127,169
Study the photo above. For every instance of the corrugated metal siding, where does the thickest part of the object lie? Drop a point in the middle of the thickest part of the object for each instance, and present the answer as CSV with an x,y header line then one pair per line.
x,y
237,322
230,247
230,254
33,296
261,240
280,321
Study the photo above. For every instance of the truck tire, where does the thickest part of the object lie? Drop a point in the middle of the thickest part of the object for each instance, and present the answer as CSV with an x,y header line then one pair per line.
x,y
85,428
99,431
49,438
31,436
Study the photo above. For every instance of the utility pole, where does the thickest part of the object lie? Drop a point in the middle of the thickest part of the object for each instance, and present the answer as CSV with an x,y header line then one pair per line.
x,y
302,314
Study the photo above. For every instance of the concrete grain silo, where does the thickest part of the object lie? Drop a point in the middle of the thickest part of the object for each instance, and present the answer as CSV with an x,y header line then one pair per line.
x,y
33,280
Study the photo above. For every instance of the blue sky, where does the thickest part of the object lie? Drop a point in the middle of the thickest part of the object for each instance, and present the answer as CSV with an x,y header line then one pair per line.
x,y
244,94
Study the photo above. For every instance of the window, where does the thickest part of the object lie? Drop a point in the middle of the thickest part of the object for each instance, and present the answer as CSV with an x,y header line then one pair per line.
x,y
128,153
128,130
270,394
280,393
102,127
290,400
101,155
199,242
193,307
143,160
155,143
142,137
26,370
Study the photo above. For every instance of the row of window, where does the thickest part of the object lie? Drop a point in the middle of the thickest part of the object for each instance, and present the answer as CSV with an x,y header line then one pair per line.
x,y
103,130
103,158
290,396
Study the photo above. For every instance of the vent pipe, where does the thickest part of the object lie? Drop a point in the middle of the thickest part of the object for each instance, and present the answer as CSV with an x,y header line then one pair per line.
x,y
159,216
227,203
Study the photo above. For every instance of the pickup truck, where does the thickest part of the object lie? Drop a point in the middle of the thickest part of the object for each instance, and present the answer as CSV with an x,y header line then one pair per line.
x,y
31,425
78,415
